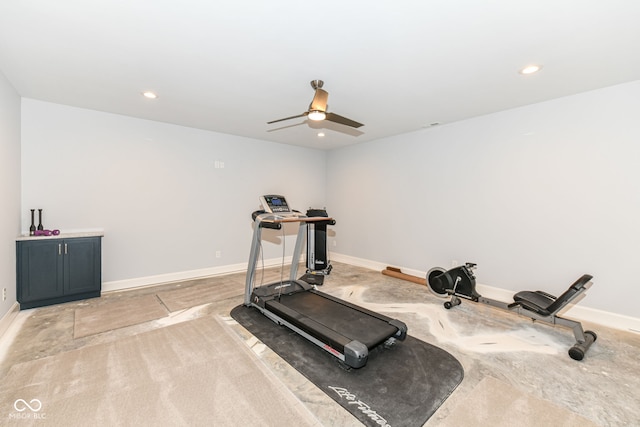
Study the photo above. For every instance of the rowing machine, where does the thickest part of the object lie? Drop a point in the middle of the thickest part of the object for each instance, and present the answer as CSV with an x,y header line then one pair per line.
x,y
459,282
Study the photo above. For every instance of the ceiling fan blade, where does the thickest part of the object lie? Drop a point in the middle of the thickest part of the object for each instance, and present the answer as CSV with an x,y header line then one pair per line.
x,y
334,127
323,124
288,126
319,102
333,117
289,118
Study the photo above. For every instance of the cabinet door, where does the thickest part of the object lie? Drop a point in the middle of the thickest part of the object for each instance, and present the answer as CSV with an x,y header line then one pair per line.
x,y
82,270
40,270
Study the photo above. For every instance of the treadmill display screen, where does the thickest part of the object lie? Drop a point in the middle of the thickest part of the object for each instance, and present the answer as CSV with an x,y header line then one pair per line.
x,y
276,204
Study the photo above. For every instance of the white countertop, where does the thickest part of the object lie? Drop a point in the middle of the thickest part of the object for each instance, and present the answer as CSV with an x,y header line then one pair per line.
x,y
63,235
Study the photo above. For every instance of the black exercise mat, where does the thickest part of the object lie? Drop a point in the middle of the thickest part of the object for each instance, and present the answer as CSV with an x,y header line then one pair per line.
x,y
399,386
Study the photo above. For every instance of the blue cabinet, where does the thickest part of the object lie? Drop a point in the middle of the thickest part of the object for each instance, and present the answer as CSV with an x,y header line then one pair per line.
x,y
51,271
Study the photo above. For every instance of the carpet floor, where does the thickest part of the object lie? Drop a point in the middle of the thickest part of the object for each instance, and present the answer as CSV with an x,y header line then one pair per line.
x,y
195,373
515,372
498,404
199,293
91,320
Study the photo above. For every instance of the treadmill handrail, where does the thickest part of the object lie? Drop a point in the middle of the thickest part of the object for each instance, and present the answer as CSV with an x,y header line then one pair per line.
x,y
305,219
270,218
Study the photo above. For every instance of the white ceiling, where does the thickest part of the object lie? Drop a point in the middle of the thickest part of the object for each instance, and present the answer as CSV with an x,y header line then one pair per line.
x,y
232,65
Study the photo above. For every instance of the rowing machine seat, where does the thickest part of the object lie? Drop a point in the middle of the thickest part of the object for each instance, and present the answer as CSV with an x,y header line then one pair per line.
x,y
545,304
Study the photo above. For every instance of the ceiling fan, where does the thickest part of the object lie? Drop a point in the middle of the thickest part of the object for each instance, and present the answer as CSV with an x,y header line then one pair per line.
x,y
318,109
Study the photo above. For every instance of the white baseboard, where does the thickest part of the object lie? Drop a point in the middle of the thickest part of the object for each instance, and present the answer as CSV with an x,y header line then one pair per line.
x,y
9,317
575,312
360,262
141,282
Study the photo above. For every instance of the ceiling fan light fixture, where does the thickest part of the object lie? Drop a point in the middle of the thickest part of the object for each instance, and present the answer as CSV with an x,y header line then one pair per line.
x,y
317,116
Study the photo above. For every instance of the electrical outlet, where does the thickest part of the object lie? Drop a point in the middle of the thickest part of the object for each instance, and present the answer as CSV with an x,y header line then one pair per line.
x,y
4,294
335,243
454,263
218,254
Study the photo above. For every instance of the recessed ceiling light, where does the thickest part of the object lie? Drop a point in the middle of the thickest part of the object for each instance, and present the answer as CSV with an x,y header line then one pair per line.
x,y
530,69
149,94
320,134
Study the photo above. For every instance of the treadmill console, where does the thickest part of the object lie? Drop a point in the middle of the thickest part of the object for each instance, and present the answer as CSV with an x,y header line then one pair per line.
x,y
275,204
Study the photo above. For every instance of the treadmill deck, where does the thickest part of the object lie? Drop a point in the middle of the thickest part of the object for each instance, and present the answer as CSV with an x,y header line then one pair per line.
x,y
343,319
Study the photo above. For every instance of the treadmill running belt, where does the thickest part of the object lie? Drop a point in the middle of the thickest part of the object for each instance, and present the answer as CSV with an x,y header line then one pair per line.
x,y
354,324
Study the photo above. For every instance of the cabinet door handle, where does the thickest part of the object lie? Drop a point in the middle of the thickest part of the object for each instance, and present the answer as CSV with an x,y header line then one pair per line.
x,y
65,249
59,248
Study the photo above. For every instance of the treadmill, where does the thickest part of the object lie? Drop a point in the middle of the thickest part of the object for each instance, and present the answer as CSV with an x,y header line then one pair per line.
x,y
345,330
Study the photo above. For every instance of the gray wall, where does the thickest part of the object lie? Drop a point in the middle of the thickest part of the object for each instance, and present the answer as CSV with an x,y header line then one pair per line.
x,y
9,190
154,188
536,196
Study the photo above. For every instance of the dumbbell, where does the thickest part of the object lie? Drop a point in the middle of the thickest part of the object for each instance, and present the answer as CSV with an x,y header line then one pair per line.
x,y
47,232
